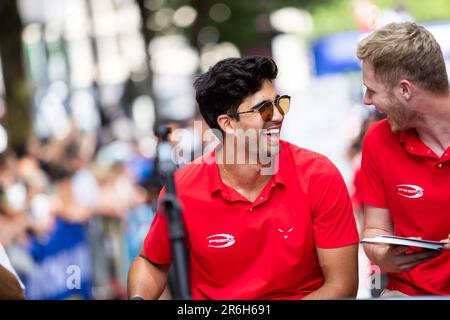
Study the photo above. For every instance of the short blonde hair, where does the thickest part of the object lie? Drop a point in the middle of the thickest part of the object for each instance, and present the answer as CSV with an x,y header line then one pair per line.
x,y
405,51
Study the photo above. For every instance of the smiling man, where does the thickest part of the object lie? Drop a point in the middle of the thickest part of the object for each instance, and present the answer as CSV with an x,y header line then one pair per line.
x,y
406,158
265,219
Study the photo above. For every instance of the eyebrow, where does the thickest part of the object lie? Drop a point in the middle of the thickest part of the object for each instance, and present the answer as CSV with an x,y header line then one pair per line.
x,y
264,101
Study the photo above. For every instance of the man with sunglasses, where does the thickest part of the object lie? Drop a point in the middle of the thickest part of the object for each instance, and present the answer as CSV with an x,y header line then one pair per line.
x,y
264,219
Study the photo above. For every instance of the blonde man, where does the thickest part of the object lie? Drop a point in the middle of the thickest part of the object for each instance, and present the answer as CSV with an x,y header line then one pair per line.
x,y
406,158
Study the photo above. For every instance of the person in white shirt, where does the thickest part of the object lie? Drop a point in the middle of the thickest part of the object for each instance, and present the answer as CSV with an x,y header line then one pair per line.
x,y
10,285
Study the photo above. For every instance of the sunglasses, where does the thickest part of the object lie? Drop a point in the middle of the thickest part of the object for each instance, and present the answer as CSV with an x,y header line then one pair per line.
x,y
266,108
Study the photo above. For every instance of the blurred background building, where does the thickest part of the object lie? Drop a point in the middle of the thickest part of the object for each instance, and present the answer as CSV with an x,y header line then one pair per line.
x,y
84,82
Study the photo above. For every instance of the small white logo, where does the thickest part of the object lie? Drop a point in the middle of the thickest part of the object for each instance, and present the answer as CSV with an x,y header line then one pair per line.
x,y
73,280
221,240
282,231
409,191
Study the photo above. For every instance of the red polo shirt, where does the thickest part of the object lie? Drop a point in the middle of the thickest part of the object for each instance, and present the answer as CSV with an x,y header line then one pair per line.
x,y
402,174
264,249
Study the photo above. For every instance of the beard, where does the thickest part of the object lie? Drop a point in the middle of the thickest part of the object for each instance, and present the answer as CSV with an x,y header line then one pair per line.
x,y
400,117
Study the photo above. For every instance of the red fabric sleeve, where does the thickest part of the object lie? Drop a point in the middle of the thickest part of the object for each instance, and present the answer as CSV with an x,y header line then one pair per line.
x,y
372,185
333,220
157,244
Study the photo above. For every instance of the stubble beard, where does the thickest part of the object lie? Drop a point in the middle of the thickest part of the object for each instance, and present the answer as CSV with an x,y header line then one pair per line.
x,y
401,118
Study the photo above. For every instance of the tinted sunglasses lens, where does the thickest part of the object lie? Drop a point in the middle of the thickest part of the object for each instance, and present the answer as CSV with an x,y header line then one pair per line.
x,y
266,111
284,103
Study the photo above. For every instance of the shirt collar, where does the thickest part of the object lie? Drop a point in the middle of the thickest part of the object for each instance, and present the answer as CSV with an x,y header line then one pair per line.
x,y
413,145
215,180
405,136
282,164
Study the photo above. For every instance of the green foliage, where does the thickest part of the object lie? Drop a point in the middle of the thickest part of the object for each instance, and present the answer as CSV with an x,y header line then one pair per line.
x,y
422,11
18,120
247,23
337,15
248,26
333,17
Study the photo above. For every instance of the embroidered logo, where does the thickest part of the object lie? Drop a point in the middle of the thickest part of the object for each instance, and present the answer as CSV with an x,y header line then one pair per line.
x,y
221,240
409,191
287,232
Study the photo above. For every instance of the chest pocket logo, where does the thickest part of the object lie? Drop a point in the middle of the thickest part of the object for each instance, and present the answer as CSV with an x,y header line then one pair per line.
x,y
221,240
409,191
285,233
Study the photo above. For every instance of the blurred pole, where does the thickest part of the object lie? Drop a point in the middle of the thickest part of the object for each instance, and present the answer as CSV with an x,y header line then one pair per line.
x,y
18,119
179,274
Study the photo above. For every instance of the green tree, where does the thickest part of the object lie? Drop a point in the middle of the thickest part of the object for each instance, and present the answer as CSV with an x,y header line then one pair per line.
x,y
18,123
248,25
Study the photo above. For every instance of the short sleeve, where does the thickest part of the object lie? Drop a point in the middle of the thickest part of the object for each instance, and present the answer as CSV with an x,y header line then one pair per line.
x,y
372,184
157,244
334,224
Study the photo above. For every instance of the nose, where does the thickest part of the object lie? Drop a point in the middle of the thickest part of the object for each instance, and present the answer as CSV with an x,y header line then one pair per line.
x,y
367,101
277,116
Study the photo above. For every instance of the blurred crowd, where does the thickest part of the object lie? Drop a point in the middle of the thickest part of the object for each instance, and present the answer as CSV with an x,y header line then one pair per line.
x,y
70,203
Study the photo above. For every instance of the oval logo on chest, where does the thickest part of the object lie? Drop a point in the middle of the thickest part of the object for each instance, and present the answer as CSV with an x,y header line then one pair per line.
x,y
221,240
409,191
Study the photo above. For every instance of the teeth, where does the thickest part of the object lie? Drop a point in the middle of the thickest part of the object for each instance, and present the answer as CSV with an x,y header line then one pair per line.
x,y
272,131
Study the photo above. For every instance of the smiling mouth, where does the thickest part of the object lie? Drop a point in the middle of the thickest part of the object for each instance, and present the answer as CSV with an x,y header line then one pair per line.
x,y
270,132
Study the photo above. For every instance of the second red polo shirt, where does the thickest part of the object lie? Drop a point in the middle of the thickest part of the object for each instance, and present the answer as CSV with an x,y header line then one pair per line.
x,y
400,173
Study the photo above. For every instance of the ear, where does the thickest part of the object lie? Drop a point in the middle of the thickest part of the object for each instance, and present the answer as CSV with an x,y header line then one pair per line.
x,y
226,123
406,89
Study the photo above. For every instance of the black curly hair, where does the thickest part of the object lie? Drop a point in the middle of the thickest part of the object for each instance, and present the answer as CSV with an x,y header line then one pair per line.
x,y
225,85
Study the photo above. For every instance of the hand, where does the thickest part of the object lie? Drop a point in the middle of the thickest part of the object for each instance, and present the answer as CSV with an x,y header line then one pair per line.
x,y
447,243
393,258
